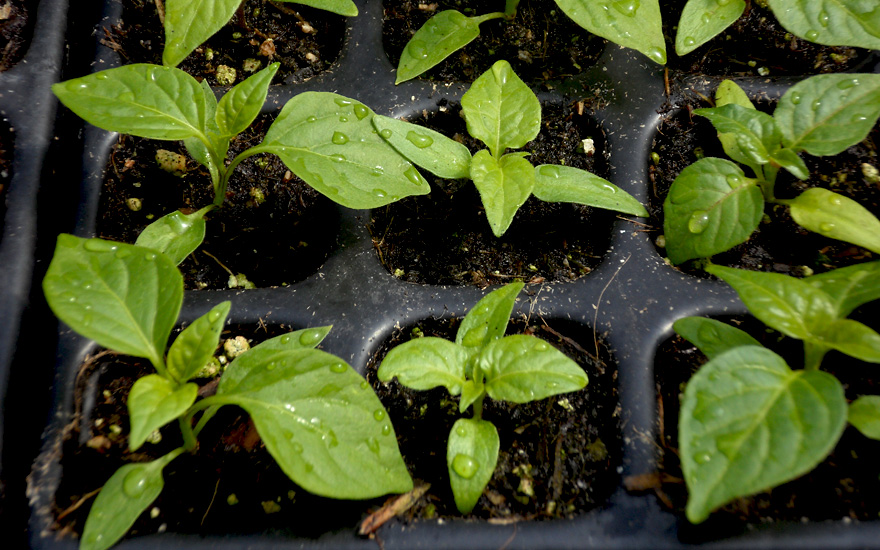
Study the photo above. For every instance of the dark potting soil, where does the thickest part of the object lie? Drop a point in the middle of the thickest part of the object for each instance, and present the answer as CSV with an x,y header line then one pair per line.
x,y
306,41
557,457
779,244
755,44
844,486
541,42
17,18
273,228
444,237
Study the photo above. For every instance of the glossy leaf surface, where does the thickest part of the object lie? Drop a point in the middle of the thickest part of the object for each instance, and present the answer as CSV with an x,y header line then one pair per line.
x,y
792,162
153,402
426,363
504,186
238,107
831,22
849,287
555,183
341,7
703,20
177,235
712,337
837,217
436,153
487,320
446,32
189,23
755,132
471,455
864,414
307,338
195,345
729,92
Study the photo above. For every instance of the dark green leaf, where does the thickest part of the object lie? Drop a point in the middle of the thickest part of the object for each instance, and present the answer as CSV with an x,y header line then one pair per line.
x,y
471,455
755,132
241,105
177,235
487,321
436,153
831,22
712,337
703,20
837,217
195,346
425,363
153,402
504,186
523,368
864,414
566,184
792,162
849,287
446,32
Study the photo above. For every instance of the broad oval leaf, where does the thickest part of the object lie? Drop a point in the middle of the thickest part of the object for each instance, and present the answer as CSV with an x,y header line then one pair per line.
x,y
446,32
629,23
329,141
852,338
504,186
555,183
320,421
826,113
341,7
153,402
729,92
831,22
711,207
849,287
196,344
425,363
837,217
712,337
749,423
141,99
125,298
188,23
487,320
755,132
522,368
471,455
864,414
500,110
241,105
177,235
436,153
703,20
125,496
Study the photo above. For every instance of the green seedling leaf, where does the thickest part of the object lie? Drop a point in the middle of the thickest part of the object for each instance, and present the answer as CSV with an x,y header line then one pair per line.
x,y
307,338
341,7
837,217
125,496
471,455
711,207
153,402
825,114
629,23
320,421
849,287
712,337
188,24
470,392
729,92
124,297
487,320
852,338
703,20
241,105
755,132
142,100
426,363
500,110
792,162
864,414
524,368
566,184
504,186
195,346
831,22
329,141
749,423
436,153
177,235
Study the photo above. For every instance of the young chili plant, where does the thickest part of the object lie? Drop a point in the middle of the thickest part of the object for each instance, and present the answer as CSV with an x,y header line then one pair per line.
x,y
749,422
502,112
326,139
482,361
316,415
713,206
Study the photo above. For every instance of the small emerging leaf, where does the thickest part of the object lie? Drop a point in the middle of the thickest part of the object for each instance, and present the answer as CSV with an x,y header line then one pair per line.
x,y
755,132
831,22
425,363
712,337
729,92
241,105
446,32
487,320
195,346
837,217
566,184
703,20
436,153
849,287
792,162
864,414
471,455
177,235
153,402
504,186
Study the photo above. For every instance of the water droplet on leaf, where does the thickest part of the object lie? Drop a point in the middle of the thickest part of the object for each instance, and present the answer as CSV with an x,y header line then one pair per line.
x,y
413,175
419,140
135,482
360,111
702,458
812,35
417,49
386,133
310,337
379,415
339,138
826,227
465,466
698,222
338,367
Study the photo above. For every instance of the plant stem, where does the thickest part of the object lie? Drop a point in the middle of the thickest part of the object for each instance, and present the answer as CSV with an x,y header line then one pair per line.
x,y
510,8
494,15
189,438
478,407
220,193
813,354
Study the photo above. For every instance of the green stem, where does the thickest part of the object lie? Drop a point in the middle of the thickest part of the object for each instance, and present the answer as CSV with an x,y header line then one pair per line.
x,y
189,438
478,407
510,8
494,15
220,192
190,435
813,355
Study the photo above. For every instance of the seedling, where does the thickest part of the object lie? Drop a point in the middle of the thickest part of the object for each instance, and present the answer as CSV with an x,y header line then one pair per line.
x,y
828,22
324,138
316,415
188,23
748,421
713,206
482,361
502,112
629,23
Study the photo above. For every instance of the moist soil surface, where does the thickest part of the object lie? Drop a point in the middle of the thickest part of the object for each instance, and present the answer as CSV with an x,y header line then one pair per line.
x,y
273,228
779,244
306,41
557,457
844,486
17,18
541,43
444,237
755,44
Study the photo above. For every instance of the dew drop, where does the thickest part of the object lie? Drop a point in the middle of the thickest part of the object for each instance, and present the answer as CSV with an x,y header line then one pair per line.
x,y
361,111
285,339
339,138
377,171
342,102
657,55
541,346
698,222
373,444
343,118
330,439
550,171
365,385
734,181
689,41
123,253
706,18
417,49
386,133
816,104
609,188
214,316
126,96
379,415
826,227
465,466
310,337
101,76
135,482
152,73
626,7
796,98
338,367
811,35
847,84
859,118
337,158
461,431
702,458
178,223
149,257
271,366
413,175
834,200
823,18
386,429
312,119
97,245
379,193
419,140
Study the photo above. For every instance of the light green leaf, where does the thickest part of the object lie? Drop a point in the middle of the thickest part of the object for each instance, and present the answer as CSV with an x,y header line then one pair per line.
x,y
522,368
864,414
426,363
792,162
831,22
500,110
471,455
125,496
711,207
329,141
176,235
470,392
849,287
320,421
756,132
487,320
712,337
749,423
729,92
142,100
835,216
703,20
196,344
341,7
241,105
189,23
629,23
566,184
436,153
852,338
153,402
124,297
503,185
307,338
826,113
